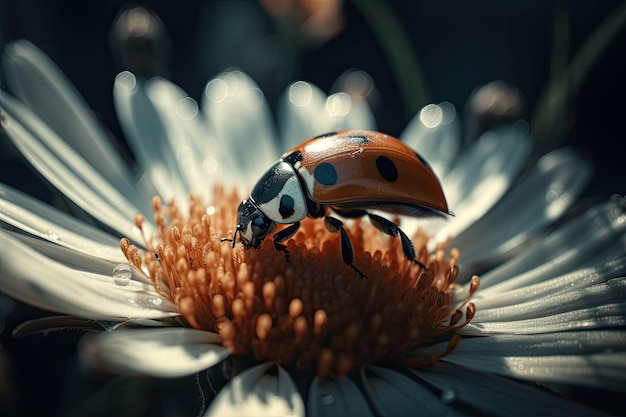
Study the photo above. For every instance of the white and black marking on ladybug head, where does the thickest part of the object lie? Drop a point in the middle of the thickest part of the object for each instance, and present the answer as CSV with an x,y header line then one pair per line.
x,y
279,194
252,224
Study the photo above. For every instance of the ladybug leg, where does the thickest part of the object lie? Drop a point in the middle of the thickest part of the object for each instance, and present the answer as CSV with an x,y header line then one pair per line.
x,y
350,213
284,235
391,229
334,225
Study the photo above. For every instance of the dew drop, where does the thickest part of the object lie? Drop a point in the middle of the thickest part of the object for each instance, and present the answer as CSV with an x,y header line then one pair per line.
x,y
300,93
187,108
447,396
326,399
156,301
338,104
122,274
126,81
52,235
431,115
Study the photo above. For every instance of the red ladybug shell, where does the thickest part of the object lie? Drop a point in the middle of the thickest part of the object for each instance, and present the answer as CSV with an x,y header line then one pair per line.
x,y
367,169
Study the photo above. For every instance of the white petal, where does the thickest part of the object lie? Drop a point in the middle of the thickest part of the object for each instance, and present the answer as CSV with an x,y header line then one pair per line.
x,y
596,317
591,359
493,395
564,283
360,87
592,237
147,137
561,343
33,278
358,115
304,111
39,83
46,222
394,394
242,122
201,157
255,393
336,397
594,295
72,258
194,150
299,110
539,199
480,177
493,160
440,144
48,324
343,111
68,171
166,353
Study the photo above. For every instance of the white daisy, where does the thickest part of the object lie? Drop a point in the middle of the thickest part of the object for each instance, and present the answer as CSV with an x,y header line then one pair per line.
x,y
309,337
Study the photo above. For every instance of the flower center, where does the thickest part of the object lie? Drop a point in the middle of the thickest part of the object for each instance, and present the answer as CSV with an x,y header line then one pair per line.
x,y
311,312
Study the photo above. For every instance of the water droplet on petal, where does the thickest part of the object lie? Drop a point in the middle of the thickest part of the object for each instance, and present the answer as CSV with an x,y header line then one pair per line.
x,y
216,90
431,115
448,112
210,165
122,274
187,108
555,191
156,301
52,235
126,80
447,396
300,93
338,104
326,399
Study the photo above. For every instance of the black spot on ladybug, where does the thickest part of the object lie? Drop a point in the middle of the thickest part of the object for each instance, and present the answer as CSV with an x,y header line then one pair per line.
x,y
325,174
286,207
358,140
387,168
325,135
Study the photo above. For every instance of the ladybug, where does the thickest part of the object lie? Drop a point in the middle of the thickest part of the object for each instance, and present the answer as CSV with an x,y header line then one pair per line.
x,y
347,173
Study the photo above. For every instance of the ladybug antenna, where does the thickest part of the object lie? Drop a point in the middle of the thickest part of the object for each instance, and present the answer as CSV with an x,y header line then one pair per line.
x,y
234,239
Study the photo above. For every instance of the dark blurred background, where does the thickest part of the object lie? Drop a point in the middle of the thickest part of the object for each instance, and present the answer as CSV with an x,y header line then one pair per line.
x,y
416,53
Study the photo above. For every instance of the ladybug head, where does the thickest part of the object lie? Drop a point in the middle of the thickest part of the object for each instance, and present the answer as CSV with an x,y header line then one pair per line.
x,y
252,224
